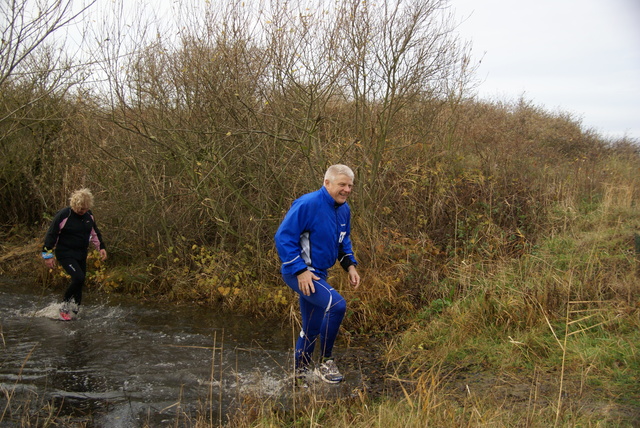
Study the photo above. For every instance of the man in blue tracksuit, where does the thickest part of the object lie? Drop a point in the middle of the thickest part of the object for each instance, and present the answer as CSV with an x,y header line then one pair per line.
x,y
312,236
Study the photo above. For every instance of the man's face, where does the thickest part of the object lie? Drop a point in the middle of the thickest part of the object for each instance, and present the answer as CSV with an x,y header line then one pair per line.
x,y
340,188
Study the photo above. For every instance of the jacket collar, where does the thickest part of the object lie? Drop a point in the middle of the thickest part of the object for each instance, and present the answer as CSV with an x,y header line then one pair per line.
x,y
329,199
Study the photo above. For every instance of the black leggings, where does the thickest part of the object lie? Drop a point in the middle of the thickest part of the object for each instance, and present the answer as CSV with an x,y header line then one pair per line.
x,y
77,268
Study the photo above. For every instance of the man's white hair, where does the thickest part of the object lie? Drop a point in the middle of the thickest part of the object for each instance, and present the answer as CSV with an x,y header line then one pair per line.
x,y
335,170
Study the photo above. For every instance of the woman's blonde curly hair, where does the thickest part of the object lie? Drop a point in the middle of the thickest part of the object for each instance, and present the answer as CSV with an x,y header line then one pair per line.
x,y
82,198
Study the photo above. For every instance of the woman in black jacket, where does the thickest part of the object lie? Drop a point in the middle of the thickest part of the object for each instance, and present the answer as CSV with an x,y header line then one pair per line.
x,y
68,237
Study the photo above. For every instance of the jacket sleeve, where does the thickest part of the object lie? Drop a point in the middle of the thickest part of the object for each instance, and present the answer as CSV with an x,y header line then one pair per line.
x,y
96,235
51,237
345,251
287,239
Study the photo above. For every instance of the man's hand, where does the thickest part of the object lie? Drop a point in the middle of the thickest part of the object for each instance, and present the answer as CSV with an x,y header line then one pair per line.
x,y
103,254
305,282
50,263
354,278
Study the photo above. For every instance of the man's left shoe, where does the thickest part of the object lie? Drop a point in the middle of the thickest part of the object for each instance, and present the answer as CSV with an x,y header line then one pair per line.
x,y
328,372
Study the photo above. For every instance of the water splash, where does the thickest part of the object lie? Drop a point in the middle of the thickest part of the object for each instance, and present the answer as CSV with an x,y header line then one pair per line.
x,y
51,311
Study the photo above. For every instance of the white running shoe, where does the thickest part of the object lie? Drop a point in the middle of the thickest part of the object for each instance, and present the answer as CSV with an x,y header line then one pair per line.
x,y
328,372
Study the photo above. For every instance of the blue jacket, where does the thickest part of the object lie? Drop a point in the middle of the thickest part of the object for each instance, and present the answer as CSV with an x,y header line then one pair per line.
x,y
314,234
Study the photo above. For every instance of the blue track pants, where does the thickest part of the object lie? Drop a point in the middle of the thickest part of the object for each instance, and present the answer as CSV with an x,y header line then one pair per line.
x,y
322,313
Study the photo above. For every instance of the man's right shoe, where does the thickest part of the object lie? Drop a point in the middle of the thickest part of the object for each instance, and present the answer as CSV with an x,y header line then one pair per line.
x,y
328,372
301,377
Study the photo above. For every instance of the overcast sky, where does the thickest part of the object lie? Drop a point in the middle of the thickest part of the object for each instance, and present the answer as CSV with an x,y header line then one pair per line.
x,y
577,56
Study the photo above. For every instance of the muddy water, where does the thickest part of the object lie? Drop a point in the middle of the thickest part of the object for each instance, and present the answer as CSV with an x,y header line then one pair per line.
x,y
127,363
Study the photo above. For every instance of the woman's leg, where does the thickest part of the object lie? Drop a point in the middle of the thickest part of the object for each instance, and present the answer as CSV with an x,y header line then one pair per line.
x,y
77,270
